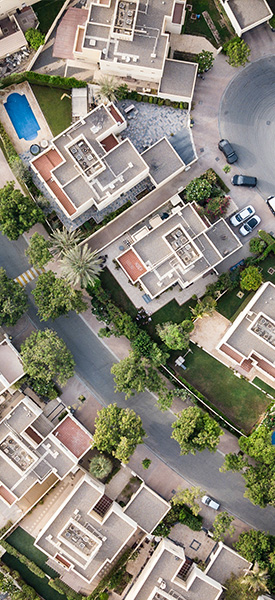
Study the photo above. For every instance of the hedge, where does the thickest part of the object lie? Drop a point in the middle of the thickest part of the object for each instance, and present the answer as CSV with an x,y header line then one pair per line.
x,y
95,595
23,559
42,79
8,148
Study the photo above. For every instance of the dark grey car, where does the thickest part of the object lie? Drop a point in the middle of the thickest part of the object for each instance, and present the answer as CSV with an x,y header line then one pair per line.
x,y
228,151
245,180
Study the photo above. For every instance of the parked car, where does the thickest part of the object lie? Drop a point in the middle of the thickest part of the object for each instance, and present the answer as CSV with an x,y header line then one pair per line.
x,y
271,203
210,502
244,180
249,225
242,215
228,151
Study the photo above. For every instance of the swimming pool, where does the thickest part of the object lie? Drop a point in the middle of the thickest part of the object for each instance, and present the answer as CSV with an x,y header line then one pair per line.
x,y
21,116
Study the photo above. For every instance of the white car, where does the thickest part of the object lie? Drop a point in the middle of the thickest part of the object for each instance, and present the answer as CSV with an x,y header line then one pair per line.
x,y
210,502
249,225
242,215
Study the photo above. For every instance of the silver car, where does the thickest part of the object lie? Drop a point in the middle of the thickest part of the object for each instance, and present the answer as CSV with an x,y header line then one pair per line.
x,y
210,502
242,215
251,224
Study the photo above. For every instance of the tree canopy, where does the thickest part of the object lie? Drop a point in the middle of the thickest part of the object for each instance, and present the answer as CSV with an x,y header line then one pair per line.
x,y
81,266
35,38
222,526
233,462
13,300
133,374
38,252
175,335
55,297
63,240
237,51
118,431
195,431
18,213
46,358
198,189
205,60
188,496
251,278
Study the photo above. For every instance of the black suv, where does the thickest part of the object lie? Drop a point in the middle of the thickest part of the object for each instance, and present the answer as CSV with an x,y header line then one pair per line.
x,y
228,151
245,180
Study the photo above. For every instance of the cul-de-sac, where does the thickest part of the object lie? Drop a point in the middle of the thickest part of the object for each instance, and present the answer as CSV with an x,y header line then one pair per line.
x,y
137,300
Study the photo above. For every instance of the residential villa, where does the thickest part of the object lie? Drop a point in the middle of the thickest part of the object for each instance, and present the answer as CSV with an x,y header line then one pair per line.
x,y
14,26
129,39
89,529
250,341
246,15
174,246
34,453
88,165
170,574
11,367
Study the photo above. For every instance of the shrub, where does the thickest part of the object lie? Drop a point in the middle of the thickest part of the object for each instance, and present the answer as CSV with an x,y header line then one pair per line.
x,y
100,466
144,98
150,99
146,463
191,521
268,239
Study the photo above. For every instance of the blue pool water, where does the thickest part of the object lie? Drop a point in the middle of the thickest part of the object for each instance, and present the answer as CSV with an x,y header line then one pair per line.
x,y
21,116
273,438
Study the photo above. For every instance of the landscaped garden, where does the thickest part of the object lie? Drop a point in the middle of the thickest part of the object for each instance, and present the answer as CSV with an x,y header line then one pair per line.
x,y
230,304
57,112
46,11
199,26
40,585
24,543
234,397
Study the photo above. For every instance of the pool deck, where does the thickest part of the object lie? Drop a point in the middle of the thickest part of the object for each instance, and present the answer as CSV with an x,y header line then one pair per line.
x,y
44,132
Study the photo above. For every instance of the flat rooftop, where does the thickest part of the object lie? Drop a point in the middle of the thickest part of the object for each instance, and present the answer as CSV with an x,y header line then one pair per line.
x,y
162,160
73,437
11,367
225,564
241,336
147,509
132,264
66,32
249,13
178,78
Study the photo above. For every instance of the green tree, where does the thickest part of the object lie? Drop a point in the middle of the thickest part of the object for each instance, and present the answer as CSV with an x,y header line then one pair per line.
x,y
188,496
260,484
195,431
256,579
38,252
237,51
198,189
256,245
122,91
20,170
55,297
144,346
100,466
118,431
236,589
46,358
222,526
216,207
13,300
205,60
251,279
175,336
18,213
259,446
146,463
81,266
63,240
165,399
234,462
107,89
35,38
255,546
206,306
133,374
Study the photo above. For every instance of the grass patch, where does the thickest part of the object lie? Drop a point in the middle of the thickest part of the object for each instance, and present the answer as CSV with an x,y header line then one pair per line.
x,y
57,112
23,542
200,27
234,397
172,311
40,585
264,386
229,303
265,264
110,285
46,11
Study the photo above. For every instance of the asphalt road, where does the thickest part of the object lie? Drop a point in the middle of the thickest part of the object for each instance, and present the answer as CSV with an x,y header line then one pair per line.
x,y
247,119
93,363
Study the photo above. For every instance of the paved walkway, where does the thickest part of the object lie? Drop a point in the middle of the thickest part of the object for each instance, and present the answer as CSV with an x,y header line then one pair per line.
x,y
193,44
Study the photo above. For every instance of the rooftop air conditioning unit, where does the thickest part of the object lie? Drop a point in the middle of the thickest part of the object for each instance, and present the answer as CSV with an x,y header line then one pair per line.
x,y
153,55
112,186
92,43
121,178
130,165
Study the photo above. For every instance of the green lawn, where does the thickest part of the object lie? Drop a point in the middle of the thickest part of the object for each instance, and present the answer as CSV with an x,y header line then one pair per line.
x,y
200,27
23,542
234,397
57,112
46,11
229,304
264,386
110,284
39,585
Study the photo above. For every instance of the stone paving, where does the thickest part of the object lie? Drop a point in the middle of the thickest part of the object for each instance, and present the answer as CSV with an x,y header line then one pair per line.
x,y
148,123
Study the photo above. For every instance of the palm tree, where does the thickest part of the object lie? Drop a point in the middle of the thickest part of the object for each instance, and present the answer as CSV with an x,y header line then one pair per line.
x,y
107,90
256,579
81,266
100,466
64,240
